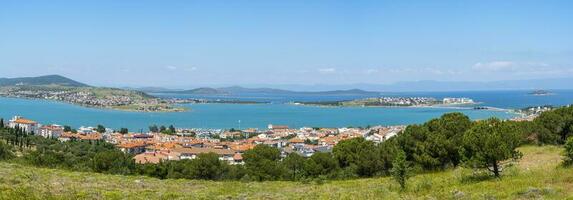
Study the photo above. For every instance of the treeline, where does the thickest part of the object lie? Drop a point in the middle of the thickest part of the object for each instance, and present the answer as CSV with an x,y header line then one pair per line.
x,y
439,144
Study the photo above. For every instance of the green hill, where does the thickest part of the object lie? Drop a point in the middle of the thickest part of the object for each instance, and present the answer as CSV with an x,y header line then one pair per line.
x,y
536,176
41,80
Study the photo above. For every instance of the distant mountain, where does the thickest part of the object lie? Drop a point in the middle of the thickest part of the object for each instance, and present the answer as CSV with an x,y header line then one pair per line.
x,y
241,90
41,81
149,89
203,90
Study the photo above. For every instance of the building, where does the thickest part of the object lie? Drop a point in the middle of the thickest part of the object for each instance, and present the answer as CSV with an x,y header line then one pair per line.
x,y
51,131
277,127
86,130
27,125
192,153
132,147
458,101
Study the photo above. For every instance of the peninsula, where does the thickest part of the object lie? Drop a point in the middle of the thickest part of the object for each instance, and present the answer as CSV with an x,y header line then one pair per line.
x,y
62,89
394,102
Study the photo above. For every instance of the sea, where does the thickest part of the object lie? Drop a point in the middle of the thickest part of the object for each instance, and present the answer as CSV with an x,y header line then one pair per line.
x,y
278,110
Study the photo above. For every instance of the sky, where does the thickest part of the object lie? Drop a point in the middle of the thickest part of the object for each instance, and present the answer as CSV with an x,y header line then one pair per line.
x,y
221,43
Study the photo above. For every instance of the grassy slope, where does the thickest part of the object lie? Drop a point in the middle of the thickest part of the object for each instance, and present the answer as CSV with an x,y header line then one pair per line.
x,y
536,176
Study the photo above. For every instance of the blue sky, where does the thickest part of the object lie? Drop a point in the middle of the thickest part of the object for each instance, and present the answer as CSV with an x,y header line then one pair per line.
x,y
213,43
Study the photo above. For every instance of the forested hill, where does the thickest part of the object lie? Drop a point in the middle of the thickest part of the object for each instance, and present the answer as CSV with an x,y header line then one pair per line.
x,y
41,81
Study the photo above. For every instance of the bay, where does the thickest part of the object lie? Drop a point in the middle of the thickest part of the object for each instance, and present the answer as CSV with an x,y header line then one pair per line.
x,y
276,112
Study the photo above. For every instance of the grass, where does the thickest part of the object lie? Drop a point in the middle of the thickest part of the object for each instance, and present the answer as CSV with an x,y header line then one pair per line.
x,y
537,175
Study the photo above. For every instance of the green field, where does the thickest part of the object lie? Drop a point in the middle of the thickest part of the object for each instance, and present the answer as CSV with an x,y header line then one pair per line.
x,y
537,175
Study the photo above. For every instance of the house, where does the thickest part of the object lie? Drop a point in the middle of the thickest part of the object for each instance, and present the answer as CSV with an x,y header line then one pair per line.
x,y
67,136
192,153
237,159
132,147
152,157
51,131
27,125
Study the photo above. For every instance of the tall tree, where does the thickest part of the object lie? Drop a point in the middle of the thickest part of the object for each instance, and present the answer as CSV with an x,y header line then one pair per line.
x,y
294,164
401,169
488,143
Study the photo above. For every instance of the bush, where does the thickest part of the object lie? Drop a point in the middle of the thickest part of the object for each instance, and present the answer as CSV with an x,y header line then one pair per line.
x,y
5,151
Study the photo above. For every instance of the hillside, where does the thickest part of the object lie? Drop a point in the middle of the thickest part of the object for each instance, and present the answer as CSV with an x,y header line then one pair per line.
x,y
536,176
41,81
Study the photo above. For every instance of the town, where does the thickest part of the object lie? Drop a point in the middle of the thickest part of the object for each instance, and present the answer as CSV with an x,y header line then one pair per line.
x,y
92,97
170,143
395,101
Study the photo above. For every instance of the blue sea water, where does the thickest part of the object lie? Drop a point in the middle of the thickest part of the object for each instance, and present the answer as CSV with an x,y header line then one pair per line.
x,y
277,112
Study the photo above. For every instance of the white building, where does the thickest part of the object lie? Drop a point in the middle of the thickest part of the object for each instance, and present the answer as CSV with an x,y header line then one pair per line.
x,y
458,101
51,131
86,130
27,125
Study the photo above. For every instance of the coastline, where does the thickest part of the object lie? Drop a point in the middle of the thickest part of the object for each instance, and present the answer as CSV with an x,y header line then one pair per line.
x,y
115,108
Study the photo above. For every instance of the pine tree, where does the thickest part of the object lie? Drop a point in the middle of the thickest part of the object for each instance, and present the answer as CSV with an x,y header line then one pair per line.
x,y
401,169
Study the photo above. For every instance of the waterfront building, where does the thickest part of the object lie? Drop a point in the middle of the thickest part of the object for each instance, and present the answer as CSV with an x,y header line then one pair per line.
x,y
27,125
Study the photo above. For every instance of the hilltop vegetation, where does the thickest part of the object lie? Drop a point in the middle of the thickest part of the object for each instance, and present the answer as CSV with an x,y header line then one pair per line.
x,y
537,175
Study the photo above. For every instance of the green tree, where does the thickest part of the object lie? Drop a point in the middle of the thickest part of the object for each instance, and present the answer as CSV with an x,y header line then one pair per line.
x,y
208,166
552,125
123,130
488,143
153,129
262,163
401,169
446,137
361,155
67,129
100,128
320,164
113,162
568,155
294,164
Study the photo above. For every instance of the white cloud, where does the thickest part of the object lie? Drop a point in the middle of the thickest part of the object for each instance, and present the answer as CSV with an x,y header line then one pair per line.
x,y
327,70
171,67
190,69
371,71
495,66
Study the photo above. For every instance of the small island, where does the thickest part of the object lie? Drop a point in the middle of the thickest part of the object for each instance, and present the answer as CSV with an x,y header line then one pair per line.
x,y
540,93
